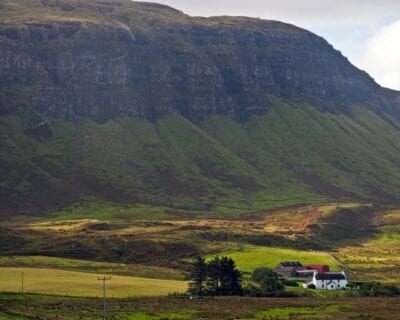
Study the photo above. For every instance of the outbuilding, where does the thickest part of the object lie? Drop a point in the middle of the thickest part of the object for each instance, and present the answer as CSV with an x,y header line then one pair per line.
x,y
317,267
288,269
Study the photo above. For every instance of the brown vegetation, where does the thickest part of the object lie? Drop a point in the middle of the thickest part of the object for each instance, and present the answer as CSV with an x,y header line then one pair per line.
x,y
47,308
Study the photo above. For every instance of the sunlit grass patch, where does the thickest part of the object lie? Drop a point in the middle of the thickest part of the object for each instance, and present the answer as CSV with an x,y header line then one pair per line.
x,y
328,208
71,283
250,257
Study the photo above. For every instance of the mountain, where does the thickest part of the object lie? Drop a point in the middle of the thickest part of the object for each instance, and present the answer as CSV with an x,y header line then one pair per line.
x,y
137,102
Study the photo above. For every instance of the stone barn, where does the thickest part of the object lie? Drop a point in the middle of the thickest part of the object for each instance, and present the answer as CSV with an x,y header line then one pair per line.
x,y
288,269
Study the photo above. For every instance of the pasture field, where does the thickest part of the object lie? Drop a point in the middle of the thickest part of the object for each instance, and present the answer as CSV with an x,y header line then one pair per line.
x,y
27,307
72,283
248,258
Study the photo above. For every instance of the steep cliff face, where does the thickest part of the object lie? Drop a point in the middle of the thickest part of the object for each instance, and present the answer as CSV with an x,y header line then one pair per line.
x,y
100,60
113,99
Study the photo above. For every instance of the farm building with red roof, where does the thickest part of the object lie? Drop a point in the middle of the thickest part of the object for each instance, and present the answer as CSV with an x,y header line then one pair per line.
x,y
321,268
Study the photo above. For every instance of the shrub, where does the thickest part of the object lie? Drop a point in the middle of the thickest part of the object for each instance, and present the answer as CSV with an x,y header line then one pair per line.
x,y
269,282
375,289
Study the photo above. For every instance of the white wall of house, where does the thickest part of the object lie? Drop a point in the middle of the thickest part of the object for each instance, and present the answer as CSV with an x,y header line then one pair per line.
x,y
328,284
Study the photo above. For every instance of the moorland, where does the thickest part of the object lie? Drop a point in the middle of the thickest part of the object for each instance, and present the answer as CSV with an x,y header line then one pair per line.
x,y
62,257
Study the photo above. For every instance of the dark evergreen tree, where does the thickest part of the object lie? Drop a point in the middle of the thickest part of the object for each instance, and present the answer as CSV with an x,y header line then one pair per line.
x,y
198,276
219,274
230,278
214,276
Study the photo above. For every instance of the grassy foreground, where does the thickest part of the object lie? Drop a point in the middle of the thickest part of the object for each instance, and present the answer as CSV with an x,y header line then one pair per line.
x,y
26,307
72,283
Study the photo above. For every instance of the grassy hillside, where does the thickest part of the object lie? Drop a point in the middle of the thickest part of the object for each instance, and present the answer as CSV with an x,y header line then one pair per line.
x,y
292,154
134,270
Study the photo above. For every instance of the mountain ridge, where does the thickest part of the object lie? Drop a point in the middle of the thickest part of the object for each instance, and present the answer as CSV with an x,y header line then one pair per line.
x,y
135,102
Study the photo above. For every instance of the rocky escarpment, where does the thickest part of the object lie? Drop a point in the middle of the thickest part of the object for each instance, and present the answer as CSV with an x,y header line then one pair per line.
x,y
101,60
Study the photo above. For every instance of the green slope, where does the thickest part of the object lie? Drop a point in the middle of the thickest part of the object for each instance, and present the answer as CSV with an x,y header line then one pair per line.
x,y
336,155
291,154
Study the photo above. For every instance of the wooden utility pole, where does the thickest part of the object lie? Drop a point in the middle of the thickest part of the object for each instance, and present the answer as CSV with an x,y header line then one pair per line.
x,y
104,279
22,282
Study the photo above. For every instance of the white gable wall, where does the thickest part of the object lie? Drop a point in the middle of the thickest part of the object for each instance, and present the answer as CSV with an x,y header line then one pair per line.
x,y
329,284
335,283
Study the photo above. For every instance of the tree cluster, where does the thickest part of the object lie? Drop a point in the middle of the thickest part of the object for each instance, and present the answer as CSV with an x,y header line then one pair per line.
x,y
218,277
266,283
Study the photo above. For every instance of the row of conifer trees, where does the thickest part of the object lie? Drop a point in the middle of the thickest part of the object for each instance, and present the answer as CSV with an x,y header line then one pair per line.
x,y
218,277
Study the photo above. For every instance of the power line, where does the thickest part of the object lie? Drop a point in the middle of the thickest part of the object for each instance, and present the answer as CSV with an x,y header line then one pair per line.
x,y
104,279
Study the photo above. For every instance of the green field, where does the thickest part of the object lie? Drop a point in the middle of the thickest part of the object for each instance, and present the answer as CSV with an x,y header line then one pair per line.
x,y
248,258
72,283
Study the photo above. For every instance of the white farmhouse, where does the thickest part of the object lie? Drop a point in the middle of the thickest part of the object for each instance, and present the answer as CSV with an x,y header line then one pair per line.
x,y
327,281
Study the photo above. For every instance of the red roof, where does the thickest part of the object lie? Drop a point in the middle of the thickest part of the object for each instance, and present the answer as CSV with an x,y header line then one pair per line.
x,y
302,268
317,267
